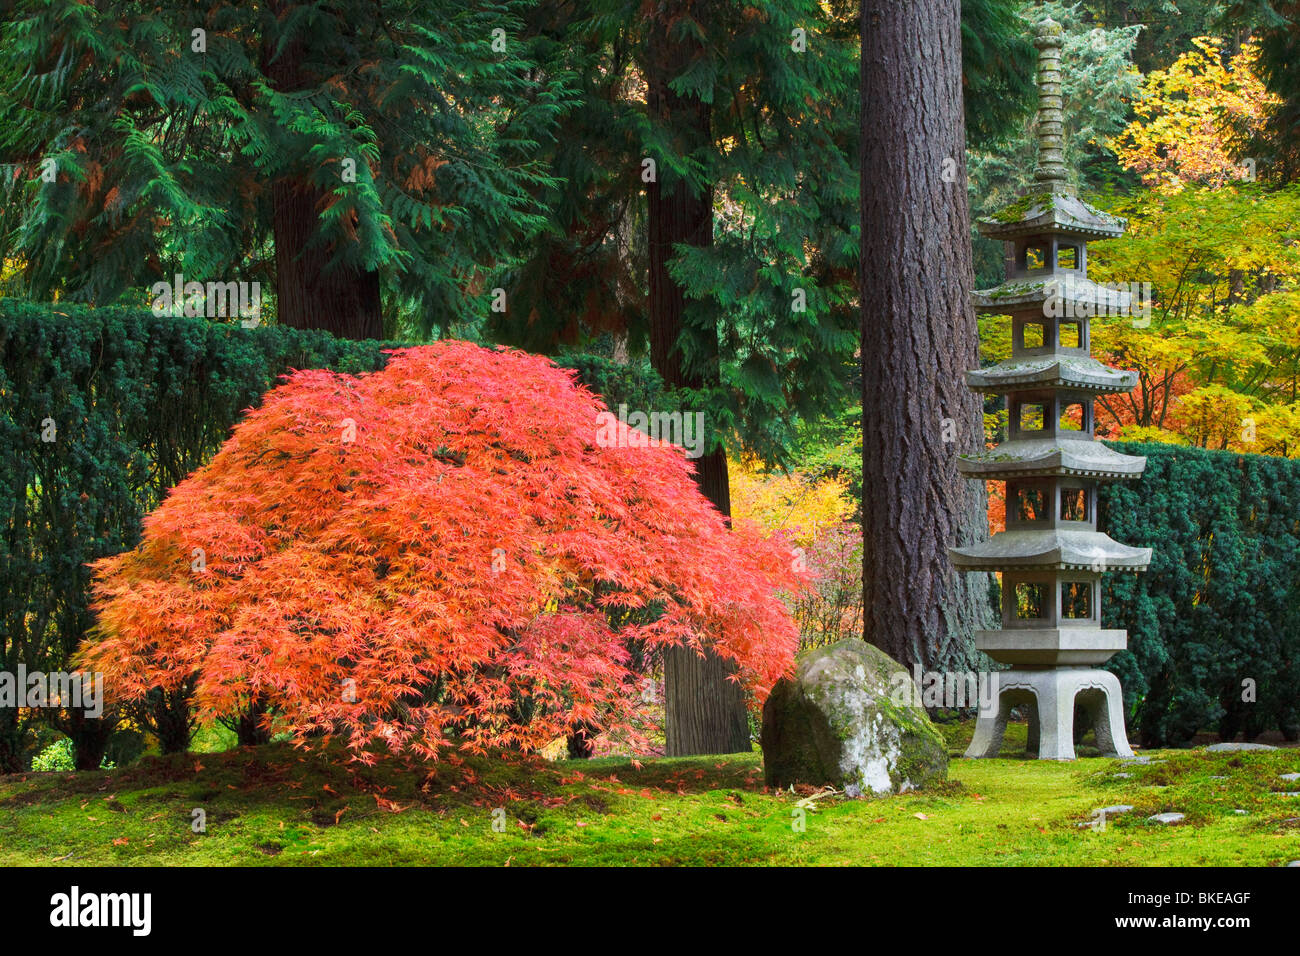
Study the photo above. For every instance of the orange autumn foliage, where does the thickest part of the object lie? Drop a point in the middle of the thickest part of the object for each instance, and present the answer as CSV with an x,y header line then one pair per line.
x,y
437,554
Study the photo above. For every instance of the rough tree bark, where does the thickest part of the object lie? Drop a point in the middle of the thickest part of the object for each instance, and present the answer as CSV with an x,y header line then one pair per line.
x,y
344,301
704,710
918,336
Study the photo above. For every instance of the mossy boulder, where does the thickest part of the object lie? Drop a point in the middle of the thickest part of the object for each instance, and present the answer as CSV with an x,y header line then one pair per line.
x,y
836,723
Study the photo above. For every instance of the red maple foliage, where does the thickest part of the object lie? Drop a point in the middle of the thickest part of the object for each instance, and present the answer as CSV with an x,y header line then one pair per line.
x,y
437,554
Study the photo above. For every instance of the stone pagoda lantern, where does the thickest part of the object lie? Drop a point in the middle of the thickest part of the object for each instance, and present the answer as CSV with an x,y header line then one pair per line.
x,y
1051,555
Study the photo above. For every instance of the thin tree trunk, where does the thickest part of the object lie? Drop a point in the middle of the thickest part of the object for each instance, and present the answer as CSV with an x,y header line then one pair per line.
x,y
250,728
344,300
11,741
704,710
167,715
918,336
89,738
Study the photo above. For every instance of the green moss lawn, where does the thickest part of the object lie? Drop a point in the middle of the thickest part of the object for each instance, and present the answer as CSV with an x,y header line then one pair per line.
x,y
273,805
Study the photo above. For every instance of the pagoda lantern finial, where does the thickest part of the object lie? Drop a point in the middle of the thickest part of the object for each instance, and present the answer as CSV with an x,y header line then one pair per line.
x,y
1050,173
1052,555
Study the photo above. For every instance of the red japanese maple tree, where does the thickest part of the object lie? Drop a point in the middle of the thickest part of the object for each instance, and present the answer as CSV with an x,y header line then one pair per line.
x,y
437,554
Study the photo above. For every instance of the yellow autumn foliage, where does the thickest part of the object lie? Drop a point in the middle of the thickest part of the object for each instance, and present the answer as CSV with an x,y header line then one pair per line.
x,y
1184,119
796,503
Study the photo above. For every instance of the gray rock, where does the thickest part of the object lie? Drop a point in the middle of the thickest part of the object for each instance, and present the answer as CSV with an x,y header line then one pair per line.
x,y
1240,812
1234,747
1294,863
1121,776
1167,817
836,722
1290,776
1289,793
1099,816
1217,778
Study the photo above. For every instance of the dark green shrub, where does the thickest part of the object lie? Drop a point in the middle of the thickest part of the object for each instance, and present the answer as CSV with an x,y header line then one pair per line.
x,y
101,411
1215,621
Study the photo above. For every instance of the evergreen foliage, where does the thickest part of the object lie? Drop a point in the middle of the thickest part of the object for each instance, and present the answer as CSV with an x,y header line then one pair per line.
x,y
1098,89
102,411
417,124
1214,624
778,282
1276,149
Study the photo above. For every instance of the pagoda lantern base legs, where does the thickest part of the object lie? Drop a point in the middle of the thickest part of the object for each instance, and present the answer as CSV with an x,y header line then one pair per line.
x,y
1051,696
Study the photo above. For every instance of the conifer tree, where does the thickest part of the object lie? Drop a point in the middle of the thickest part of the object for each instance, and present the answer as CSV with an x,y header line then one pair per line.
x,y
1276,149
355,155
918,337
731,132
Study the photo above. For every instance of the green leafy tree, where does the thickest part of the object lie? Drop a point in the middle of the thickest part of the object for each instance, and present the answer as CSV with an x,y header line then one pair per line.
x,y
779,163
1218,357
705,217
998,64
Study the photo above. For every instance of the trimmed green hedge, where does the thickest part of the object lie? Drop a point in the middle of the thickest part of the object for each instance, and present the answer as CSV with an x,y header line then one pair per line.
x,y
1215,621
101,411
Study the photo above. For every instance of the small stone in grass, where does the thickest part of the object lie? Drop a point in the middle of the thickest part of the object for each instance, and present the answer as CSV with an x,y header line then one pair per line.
x,y
1167,817
1121,776
1290,776
1234,747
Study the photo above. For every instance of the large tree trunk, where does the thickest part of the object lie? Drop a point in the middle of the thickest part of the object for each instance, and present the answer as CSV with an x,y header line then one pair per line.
x,y
918,336
344,300
704,710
